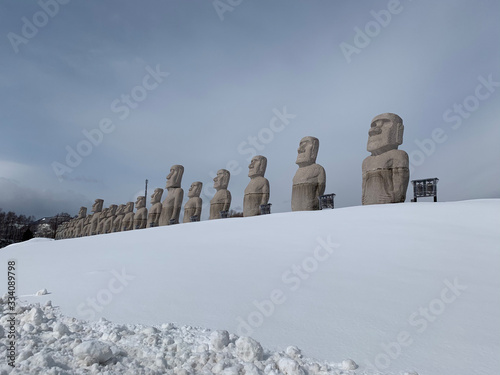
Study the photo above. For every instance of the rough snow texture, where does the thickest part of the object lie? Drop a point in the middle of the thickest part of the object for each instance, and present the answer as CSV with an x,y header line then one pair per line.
x,y
50,343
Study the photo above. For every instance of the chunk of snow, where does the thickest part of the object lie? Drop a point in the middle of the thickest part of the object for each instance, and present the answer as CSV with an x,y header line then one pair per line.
x,y
248,349
93,351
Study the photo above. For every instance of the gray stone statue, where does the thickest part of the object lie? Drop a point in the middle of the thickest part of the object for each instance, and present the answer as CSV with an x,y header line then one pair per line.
x,y
257,190
173,202
82,215
156,208
194,204
141,213
310,179
117,222
96,209
108,224
128,219
222,198
102,220
87,225
386,172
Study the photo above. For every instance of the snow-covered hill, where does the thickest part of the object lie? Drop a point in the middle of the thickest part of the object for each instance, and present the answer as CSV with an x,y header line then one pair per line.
x,y
405,287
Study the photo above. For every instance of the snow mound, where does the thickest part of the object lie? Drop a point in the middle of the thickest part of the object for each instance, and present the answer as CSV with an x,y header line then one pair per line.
x,y
51,343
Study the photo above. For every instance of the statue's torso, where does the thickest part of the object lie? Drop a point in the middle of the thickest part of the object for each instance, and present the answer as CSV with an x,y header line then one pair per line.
x,y
308,184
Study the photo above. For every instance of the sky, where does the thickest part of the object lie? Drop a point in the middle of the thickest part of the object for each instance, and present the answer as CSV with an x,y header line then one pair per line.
x,y
98,96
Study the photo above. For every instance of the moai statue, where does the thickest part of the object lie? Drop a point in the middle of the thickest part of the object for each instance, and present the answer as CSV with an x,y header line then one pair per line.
x,y
156,207
59,231
173,202
128,219
222,198
96,209
386,172
108,224
141,214
194,203
87,225
82,215
71,228
102,220
257,190
67,230
310,179
117,222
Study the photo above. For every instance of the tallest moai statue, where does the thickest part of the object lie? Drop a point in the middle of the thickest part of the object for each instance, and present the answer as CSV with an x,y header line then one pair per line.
x,y
386,172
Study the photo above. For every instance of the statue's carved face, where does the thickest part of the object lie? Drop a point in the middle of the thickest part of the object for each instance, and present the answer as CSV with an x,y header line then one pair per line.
x,y
104,212
82,213
141,202
175,176
121,209
386,133
97,206
112,210
307,151
156,196
257,166
222,179
195,190
129,207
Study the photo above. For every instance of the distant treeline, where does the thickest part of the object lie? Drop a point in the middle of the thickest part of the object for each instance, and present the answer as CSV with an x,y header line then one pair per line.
x,y
16,228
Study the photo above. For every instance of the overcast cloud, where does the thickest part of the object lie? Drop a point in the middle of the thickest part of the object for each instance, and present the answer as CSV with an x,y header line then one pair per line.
x,y
205,81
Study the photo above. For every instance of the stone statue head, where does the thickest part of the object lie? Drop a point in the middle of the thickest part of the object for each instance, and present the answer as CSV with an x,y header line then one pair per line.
x,y
156,196
97,206
82,213
140,202
307,151
195,189
222,179
120,210
104,212
386,133
112,210
257,166
174,178
129,207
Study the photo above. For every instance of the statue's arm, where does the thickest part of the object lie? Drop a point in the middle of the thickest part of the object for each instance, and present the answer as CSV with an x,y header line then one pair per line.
x,y
321,182
265,193
198,205
179,196
400,176
227,201
400,179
